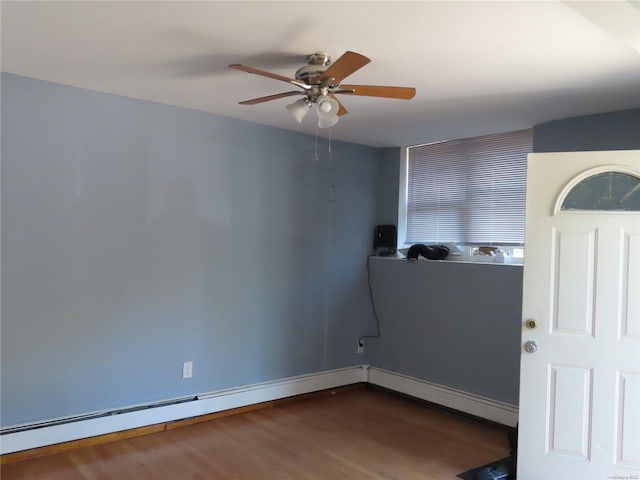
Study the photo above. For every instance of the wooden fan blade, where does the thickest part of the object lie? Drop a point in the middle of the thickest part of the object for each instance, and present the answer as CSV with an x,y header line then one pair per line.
x,y
341,109
348,63
405,93
253,101
264,73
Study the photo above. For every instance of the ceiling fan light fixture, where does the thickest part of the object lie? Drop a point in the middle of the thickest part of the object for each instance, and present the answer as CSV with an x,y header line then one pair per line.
x,y
320,80
299,109
327,110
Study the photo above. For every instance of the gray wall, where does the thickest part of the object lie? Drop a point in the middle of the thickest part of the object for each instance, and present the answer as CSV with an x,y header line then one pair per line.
x,y
387,190
453,324
136,236
604,131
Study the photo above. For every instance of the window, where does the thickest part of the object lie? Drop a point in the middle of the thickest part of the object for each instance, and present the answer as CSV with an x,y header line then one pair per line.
x,y
469,191
613,191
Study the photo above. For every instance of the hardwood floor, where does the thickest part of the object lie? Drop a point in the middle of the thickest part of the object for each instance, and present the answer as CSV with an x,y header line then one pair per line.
x,y
358,434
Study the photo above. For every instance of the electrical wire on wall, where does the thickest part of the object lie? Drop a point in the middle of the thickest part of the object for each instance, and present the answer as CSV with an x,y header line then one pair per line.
x,y
373,306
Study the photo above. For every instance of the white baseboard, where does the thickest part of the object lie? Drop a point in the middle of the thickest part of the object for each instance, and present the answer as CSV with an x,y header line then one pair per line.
x,y
221,400
205,404
499,412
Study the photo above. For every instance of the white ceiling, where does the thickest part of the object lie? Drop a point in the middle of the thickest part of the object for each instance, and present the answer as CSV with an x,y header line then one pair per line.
x,y
478,67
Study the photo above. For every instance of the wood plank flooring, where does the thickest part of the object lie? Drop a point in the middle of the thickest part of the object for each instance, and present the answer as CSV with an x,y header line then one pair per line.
x,y
359,434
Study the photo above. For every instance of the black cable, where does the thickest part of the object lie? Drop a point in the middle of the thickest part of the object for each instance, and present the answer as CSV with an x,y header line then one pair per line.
x,y
373,305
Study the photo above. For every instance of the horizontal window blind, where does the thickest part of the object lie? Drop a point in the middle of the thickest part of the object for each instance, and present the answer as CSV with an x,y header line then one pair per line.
x,y
468,191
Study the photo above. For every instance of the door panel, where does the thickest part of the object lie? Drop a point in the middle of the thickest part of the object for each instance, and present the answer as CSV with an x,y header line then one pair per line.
x,y
630,301
628,420
569,410
573,281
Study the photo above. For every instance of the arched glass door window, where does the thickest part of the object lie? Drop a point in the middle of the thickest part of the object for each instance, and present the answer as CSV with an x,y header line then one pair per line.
x,y
610,191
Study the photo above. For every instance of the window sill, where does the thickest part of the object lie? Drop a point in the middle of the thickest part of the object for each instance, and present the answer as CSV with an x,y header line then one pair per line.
x,y
503,255
457,258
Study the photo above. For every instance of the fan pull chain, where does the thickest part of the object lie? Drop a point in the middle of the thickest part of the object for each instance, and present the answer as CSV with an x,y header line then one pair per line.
x,y
315,158
315,153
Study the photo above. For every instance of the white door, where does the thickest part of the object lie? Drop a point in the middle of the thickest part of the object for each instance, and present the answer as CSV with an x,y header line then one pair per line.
x,y
580,390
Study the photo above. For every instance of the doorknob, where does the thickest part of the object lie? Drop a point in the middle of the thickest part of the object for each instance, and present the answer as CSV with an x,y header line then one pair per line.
x,y
530,347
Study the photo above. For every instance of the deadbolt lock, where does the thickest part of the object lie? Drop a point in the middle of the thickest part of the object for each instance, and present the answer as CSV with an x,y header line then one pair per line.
x,y
531,323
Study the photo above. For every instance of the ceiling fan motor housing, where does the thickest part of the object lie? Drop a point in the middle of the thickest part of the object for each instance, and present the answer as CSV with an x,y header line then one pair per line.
x,y
310,74
317,63
319,58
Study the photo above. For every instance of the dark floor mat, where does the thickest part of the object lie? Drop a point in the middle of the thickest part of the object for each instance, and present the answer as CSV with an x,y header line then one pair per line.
x,y
504,469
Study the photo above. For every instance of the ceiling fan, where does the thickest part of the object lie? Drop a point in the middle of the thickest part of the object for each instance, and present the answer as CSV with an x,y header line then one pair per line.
x,y
320,82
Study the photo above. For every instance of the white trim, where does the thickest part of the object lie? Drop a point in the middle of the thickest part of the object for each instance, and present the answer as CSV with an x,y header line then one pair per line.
x,y
483,407
205,404
402,197
221,400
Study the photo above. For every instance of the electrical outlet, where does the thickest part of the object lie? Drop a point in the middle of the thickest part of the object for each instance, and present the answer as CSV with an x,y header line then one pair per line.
x,y
187,370
360,346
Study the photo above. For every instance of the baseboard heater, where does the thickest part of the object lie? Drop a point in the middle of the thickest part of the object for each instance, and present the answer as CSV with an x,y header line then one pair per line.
x,y
38,434
91,416
27,436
